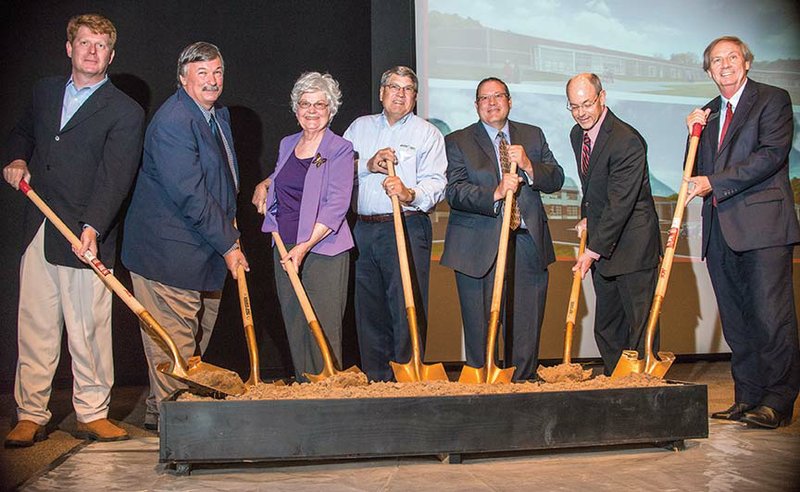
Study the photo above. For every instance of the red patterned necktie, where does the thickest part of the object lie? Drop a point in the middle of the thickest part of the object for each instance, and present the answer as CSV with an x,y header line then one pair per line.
x,y
585,152
728,118
505,164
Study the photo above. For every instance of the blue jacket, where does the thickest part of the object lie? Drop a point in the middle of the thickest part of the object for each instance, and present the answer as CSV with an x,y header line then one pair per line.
x,y
180,221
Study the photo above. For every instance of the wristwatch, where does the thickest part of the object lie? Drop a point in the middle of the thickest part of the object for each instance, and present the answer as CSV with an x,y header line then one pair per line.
x,y
413,196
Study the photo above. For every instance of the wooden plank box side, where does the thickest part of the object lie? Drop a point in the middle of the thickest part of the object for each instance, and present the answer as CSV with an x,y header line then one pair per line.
x,y
266,430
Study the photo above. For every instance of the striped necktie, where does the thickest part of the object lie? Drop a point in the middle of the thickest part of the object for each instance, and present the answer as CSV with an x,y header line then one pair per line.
x,y
586,151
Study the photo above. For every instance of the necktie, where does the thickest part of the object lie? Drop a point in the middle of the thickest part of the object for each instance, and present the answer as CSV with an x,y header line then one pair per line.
x,y
728,118
505,165
586,151
223,146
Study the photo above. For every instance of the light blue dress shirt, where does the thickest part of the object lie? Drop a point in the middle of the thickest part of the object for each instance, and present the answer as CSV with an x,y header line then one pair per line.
x,y
421,161
492,131
74,99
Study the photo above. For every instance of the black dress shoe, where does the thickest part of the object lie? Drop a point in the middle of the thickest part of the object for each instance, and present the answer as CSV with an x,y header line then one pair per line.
x,y
766,417
735,412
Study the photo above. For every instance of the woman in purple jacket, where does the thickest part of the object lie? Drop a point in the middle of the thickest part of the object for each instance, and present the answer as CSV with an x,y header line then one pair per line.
x,y
306,202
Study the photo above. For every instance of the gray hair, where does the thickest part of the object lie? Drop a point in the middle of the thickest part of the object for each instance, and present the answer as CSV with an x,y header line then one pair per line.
x,y
318,82
195,52
748,55
589,77
402,71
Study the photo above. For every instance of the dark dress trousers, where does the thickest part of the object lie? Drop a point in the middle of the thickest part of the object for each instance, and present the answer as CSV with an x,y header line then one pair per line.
x,y
748,238
622,227
473,233
83,171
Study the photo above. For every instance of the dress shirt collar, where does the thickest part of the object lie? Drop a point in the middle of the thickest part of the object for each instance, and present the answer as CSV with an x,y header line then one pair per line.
x,y
492,131
401,121
595,130
734,100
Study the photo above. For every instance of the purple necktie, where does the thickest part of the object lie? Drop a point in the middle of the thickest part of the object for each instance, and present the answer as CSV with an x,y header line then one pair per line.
x,y
585,152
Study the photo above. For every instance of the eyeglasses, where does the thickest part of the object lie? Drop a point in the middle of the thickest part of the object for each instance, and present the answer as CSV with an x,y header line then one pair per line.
x,y
397,88
586,106
319,105
486,97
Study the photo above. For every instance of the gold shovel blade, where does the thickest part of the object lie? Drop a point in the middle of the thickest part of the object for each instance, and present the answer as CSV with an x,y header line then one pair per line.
x,y
408,373
628,363
482,375
325,374
659,368
206,379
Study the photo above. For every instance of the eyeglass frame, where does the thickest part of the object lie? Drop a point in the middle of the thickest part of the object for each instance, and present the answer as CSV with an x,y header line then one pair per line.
x,y
586,106
397,88
319,105
497,95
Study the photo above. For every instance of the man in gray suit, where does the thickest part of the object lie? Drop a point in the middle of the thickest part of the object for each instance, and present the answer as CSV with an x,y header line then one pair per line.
x,y
749,231
475,190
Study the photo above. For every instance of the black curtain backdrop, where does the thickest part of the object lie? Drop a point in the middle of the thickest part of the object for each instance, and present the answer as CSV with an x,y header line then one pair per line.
x,y
266,46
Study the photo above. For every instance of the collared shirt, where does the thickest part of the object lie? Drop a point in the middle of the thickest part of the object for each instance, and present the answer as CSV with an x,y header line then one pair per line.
x,y
74,98
421,161
734,100
492,131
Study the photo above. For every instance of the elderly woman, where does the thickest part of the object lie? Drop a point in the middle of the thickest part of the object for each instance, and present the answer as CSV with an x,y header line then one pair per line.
x,y
306,202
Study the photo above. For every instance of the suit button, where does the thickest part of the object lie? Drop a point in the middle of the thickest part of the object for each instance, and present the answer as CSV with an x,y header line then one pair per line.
x,y
58,138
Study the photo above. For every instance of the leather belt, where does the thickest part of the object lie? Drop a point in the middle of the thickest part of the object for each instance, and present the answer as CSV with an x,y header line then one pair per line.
x,y
387,217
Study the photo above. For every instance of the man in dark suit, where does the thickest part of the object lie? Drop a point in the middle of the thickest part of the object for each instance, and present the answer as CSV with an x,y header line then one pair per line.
x,y
623,242
475,191
180,240
749,231
78,145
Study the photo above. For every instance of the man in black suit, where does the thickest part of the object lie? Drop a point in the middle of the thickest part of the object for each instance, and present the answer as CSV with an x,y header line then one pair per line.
x,y
623,243
475,190
749,231
78,145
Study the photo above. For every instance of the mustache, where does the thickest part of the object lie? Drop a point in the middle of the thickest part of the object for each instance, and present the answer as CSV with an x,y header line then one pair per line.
x,y
212,88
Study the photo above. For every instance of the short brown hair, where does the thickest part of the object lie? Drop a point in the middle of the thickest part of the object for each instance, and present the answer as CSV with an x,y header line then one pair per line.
x,y
96,23
746,53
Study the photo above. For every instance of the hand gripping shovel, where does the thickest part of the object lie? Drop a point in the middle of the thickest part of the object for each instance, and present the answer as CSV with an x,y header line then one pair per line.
x,y
490,373
567,371
201,377
329,364
414,370
629,362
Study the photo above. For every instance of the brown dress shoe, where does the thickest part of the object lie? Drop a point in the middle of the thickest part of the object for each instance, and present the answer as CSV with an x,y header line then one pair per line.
x,y
765,417
101,430
25,434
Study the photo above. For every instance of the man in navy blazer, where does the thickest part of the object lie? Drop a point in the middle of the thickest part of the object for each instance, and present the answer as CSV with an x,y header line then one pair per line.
x,y
475,191
78,145
749,232
623,242
180,239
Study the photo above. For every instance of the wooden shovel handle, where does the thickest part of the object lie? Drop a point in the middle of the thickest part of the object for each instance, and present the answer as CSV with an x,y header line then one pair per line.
x,y
499,274
305,305
405,271
672,239
108,278
572,307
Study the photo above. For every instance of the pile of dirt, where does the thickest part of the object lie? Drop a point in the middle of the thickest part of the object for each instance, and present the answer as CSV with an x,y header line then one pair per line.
x,y
355,385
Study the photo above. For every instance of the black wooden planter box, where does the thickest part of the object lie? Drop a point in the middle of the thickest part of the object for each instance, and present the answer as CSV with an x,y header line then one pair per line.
x,y
195,432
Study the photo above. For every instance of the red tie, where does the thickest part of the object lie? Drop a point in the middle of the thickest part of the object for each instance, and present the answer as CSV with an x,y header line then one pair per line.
x,y
728,118
585,151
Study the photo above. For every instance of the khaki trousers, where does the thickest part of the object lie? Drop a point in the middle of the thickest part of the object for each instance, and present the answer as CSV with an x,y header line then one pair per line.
x,y
188,316
50,297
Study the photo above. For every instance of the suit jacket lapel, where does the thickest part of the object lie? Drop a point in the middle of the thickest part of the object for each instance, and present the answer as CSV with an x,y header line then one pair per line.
x,y
95,103
600,142
483,141
746,102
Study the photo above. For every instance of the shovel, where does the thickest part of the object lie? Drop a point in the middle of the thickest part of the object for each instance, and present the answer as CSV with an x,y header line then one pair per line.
x,y
414,370
200,377
490,373
566,371
658,367
329,364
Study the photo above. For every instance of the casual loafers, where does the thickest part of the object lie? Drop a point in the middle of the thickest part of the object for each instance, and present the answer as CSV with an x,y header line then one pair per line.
x,y
735,412
766,417
25,434
101,430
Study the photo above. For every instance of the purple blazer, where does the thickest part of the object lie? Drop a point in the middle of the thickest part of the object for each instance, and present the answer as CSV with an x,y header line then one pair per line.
x,y
326,193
